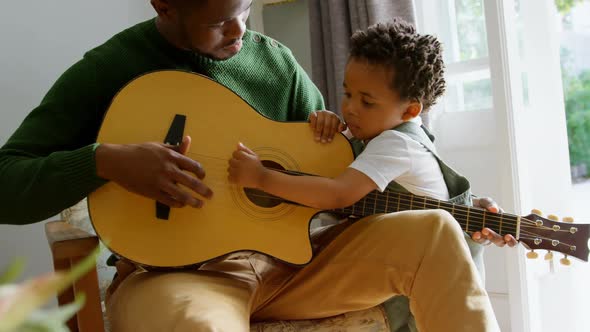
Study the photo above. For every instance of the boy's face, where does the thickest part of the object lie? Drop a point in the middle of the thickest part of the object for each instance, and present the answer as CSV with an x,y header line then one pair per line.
x,y
212,28
369,105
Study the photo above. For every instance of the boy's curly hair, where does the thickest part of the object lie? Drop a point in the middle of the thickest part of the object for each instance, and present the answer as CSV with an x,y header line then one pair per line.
x,y
416,60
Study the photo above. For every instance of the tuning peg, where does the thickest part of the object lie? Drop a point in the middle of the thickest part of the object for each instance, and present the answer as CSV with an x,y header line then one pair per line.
x,y
568,219
549,258
553,217
565,261
537,212
532,255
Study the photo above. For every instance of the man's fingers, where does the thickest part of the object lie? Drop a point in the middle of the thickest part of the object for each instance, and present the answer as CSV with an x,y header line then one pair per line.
x,y
185,145
193,183
181,148
180,195
193,166
166,199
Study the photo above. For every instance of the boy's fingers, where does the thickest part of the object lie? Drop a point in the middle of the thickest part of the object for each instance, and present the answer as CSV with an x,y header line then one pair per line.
x,y
334,124
510,240
319,128
313,119
477,237
326,131
244,148
494,237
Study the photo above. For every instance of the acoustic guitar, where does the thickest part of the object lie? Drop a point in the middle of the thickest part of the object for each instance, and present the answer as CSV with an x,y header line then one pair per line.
x,y
165,105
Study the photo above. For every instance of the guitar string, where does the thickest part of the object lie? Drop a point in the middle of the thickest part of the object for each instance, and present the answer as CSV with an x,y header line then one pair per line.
x,y
491,217
491,221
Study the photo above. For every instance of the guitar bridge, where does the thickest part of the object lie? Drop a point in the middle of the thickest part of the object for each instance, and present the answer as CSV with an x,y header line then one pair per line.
x,y
173,137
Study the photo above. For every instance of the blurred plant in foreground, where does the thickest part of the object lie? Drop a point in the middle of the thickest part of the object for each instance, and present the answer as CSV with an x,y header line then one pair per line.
x,y
20,304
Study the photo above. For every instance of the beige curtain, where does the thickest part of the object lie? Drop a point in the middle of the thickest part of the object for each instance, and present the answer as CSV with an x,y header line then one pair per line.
x,y
332,24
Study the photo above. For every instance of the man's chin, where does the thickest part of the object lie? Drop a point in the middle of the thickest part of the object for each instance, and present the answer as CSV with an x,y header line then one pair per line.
x,y
225,52
221,55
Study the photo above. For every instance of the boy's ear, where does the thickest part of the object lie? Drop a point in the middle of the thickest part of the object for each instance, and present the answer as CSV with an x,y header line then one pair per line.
x,y
413,109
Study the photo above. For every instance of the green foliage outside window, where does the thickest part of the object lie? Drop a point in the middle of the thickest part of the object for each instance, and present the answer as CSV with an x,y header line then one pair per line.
x,y
577,99
577,108
565,6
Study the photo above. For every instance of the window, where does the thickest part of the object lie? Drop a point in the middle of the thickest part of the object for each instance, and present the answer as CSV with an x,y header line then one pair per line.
x,y
574,17
460,26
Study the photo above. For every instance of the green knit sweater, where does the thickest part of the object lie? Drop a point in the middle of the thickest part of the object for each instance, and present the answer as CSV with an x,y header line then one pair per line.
x,y
48,163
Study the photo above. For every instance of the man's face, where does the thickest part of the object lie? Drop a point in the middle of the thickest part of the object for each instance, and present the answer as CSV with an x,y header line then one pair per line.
x,y
214,28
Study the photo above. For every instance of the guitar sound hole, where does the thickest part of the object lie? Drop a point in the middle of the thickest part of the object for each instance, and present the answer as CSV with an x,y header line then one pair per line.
x,y
261,198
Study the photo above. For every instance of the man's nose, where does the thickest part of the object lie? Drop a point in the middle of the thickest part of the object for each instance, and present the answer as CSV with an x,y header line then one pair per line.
x,y
236,29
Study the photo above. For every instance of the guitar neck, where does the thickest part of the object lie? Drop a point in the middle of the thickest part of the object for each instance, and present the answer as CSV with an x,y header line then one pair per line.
x,y
471,219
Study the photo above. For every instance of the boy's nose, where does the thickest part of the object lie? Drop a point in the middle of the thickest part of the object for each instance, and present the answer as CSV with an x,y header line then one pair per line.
x,y
350,111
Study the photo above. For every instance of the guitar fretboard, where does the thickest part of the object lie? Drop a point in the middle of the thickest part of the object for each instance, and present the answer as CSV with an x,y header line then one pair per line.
x,y
471,219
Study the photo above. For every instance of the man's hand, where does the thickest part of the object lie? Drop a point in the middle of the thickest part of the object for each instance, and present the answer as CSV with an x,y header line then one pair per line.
x,y
488,236
245,168
154,170
325,125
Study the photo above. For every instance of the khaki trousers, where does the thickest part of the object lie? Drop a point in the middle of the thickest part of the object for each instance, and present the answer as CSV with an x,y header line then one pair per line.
x,y
420,254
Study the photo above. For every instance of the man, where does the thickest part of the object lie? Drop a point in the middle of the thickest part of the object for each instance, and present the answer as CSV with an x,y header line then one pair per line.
x,y
51,162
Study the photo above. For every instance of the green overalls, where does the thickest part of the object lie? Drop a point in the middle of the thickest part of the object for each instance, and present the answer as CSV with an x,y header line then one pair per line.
x,y
398,308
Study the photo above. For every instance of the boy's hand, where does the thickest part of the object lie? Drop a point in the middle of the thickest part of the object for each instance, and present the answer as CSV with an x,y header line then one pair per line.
x,y
245,168
488,236
325,125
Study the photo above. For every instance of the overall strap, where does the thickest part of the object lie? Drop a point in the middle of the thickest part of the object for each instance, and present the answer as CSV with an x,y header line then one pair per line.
x,y
457,185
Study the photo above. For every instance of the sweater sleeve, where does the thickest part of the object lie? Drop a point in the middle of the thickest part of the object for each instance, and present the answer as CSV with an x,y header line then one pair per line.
x,y
306,96
48,163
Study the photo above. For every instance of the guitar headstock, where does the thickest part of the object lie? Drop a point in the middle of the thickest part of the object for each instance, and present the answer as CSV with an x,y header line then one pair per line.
x,y
539,233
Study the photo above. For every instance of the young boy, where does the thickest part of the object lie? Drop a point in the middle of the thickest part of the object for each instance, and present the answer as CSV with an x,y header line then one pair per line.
x,y
393,74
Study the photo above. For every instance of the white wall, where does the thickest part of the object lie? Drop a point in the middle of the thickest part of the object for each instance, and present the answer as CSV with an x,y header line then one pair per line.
x,y
39,40
289,24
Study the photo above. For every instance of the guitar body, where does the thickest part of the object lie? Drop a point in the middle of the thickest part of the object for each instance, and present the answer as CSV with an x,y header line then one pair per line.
x,y
216,119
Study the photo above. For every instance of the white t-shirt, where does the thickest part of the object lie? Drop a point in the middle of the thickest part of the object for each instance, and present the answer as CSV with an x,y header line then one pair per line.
x,y
393,155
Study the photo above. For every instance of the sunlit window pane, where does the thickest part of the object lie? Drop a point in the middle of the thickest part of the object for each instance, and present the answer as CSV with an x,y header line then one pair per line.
x,y
469,94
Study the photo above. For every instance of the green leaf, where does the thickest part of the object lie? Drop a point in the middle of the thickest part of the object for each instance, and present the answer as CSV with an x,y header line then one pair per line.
x,y
14,270
18,304
53,319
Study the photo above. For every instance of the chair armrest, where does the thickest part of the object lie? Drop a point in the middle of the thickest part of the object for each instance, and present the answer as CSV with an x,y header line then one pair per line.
x,y
67,241
68,246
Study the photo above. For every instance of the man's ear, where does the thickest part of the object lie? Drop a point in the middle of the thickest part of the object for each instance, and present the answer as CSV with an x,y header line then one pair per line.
x,y
413,109
162,7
